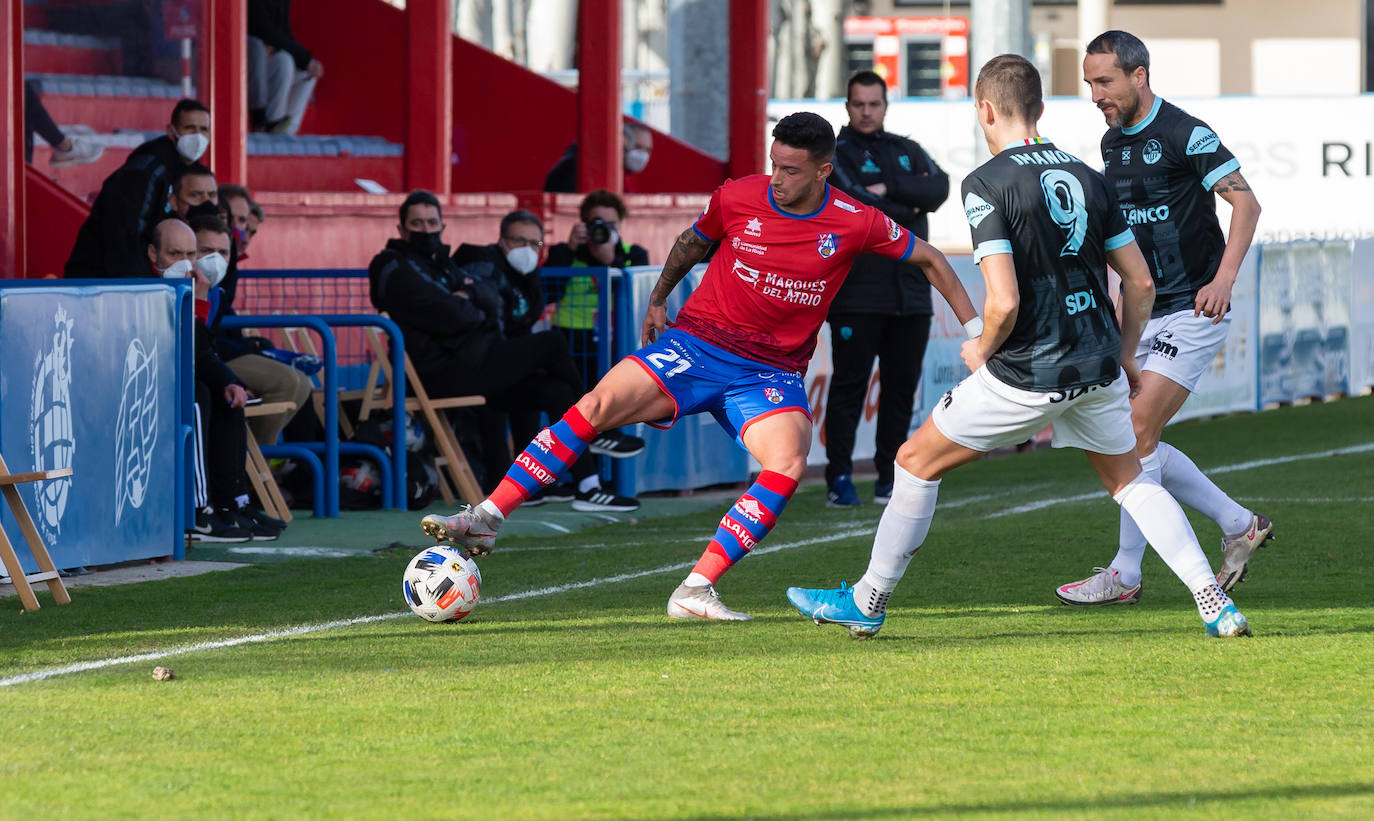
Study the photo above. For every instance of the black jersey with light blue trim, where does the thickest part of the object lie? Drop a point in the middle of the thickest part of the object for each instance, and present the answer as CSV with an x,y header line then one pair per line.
x,y
1055,217
1162,170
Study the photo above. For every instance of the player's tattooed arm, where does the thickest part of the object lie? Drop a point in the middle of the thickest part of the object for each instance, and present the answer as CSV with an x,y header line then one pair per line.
x,y
689,249
1214,298
1231,182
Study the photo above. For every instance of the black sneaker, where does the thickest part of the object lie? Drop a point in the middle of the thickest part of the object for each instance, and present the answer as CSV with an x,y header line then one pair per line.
x,y
559,492
599,499
257,531
257,515
213,527
616,445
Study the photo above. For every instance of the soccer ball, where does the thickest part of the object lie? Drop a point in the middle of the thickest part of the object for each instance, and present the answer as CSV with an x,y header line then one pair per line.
x,y
441,583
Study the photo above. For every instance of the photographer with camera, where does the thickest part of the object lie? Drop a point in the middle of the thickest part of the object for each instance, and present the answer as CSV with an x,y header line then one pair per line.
x,y
594,242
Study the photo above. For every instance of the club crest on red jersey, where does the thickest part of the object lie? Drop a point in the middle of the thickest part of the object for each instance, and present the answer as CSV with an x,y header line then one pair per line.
x,y
827,244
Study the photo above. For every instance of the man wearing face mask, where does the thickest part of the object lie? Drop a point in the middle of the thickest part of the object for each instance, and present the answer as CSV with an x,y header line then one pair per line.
x,y
264,376
453,322
638,146
593,242
133,199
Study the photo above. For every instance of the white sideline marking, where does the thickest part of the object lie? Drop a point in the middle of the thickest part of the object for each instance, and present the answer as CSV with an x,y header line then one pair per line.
x,y
257,638
300,630
317,552
1257,463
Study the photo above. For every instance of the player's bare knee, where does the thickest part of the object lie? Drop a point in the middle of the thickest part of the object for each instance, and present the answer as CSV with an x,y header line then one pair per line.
x,y
595,409
792,466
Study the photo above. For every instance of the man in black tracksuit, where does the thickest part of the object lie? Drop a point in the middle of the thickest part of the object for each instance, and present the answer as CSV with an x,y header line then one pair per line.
x,y
884,307
452,323
113,240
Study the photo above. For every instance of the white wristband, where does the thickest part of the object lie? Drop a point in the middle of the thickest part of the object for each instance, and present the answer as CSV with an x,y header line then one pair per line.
x,y
974,327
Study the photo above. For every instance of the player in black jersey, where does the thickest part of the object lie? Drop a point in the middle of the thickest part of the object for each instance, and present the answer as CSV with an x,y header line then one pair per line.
x,y
1166,169
1051,352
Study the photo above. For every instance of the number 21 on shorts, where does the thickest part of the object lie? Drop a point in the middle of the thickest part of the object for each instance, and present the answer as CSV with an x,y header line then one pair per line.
x,y
662,359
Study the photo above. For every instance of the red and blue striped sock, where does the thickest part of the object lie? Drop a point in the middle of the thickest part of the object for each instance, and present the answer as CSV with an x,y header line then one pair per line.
x,y
745,524
549,456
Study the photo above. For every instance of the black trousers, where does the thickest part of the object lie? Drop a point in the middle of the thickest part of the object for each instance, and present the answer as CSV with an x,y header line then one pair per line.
x,y
523,377
225,446
36,118
899,343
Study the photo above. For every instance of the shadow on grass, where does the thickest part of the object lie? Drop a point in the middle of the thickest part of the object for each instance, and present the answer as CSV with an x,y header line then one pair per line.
x,y
1162,800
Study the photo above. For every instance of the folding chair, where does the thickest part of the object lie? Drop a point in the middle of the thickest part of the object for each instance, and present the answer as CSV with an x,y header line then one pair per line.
x,y
300,341
259,472
47,572
455,474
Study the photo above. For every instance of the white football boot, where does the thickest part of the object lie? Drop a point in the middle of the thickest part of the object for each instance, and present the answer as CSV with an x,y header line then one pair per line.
x,y
469,528
1101,588
1236,551
702,603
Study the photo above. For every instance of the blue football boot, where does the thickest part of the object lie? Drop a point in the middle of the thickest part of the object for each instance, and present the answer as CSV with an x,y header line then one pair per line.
x,y
835,607
1229,624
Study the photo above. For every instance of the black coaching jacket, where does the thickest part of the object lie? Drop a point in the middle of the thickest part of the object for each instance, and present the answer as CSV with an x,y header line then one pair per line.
x,y
915,187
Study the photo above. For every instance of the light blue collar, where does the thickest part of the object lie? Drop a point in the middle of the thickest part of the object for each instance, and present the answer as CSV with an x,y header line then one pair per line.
x,y
1145,123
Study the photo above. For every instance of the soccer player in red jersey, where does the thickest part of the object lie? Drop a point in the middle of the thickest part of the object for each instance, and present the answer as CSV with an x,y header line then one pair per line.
x,y
738,348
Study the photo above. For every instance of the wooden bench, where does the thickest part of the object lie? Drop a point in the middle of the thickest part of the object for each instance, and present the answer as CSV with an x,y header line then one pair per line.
x,y
46,571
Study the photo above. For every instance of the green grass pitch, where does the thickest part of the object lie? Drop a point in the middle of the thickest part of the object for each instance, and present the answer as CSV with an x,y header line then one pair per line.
x,y
567,697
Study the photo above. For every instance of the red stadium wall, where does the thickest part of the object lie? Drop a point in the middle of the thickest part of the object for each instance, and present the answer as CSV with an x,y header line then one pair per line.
x,y
54,216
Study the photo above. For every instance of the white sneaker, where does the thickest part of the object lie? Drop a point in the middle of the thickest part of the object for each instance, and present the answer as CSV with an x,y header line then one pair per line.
x,y
1103,587
468,528
702,603
1236,551
82,152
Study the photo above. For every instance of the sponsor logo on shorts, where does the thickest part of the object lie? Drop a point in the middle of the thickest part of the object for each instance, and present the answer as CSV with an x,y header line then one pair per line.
x,y
948,399
544,440
1073,393
1152,153
827,244
1163,346
773,395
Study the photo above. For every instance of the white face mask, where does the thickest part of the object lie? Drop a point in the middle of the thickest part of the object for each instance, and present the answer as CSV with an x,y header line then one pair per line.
x,y
214,267
191,146
523,259
177,270
636,159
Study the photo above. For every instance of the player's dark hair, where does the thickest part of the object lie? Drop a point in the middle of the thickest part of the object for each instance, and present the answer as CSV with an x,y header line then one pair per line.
x,y
230,190
205,222
1012,85
420,197
601,198
1131,54
195,169
809,132
521,216
184,106
865,78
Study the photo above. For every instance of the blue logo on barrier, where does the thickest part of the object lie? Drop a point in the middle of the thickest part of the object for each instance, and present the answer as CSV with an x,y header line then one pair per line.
x,y
136,428
51,437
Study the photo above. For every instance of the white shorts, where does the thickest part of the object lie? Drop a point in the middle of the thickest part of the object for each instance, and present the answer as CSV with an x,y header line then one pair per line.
x,y
1180,346
984,413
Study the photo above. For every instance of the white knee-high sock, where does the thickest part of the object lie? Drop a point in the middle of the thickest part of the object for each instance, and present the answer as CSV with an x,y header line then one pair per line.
x,y
901,531
1131,543
1168,530
1191,487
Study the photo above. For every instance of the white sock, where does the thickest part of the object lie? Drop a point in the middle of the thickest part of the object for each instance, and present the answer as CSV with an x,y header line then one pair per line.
x,y
492,512
1167,529
1191,487
901,531
695,580
1131,543
589,483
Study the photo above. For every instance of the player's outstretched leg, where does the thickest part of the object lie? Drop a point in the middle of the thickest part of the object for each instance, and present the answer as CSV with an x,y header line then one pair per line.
x,y
743,526
548,456
1168,530
862,609
1243,530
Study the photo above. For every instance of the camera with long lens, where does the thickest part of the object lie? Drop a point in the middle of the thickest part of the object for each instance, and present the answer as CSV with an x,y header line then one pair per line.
x,y
598,231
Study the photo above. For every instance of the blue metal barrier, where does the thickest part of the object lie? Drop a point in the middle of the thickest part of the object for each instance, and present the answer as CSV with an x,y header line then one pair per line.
x,y
97,376
306,456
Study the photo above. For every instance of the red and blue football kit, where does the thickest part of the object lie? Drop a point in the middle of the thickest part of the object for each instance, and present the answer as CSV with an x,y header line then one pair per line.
x,y
771,283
